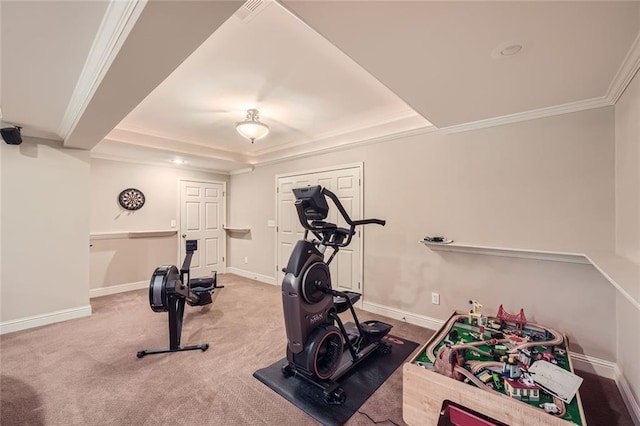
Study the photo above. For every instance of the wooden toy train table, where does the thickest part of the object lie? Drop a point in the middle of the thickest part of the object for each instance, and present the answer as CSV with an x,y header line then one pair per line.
x,y
438,386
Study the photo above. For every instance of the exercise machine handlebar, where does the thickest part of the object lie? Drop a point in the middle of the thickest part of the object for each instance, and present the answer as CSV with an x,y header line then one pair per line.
x,y
345,215
312,209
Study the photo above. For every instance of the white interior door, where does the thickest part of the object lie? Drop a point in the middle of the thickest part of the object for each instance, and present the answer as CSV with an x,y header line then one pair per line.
x,y
346,267
202,214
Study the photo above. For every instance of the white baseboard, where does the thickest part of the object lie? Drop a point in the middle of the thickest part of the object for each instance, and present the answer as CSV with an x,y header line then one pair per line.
x,y
121,288
44,319
411,318
600,367
252,275
627,395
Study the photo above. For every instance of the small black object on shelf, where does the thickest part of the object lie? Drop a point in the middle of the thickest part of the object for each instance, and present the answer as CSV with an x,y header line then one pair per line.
x,y
434,239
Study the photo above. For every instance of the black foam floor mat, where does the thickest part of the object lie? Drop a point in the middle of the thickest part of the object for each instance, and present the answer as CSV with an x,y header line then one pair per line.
x,y
358,385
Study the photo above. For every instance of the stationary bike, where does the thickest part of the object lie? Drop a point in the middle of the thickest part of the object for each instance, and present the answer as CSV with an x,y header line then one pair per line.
x,y
318,351
169,290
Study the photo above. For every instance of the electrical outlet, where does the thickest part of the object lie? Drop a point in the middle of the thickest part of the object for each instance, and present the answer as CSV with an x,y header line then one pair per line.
x,y
435,298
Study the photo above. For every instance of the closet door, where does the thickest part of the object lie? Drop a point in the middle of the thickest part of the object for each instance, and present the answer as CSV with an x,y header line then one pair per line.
x,y
346,183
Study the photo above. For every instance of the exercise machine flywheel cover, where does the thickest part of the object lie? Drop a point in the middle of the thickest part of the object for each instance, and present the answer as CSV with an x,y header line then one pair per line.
x,y
163,282
315,280
325,345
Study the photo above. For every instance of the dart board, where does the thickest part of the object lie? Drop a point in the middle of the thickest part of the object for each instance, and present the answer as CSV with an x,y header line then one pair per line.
x,y
131,199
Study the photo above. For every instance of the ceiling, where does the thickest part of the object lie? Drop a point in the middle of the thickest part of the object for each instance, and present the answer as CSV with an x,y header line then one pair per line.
x,y
159,80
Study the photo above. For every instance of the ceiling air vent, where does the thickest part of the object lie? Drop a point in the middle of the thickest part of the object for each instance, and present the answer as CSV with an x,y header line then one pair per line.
x,y
248,8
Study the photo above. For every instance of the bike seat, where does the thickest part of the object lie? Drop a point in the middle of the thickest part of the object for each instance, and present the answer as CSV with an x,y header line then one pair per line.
x,y
203,284
322,225
201,289
342,304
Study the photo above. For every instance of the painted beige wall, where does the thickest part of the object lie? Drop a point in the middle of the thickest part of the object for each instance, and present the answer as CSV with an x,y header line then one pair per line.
x,y
627,172
628,320
129,260
627,190
541,184
45,229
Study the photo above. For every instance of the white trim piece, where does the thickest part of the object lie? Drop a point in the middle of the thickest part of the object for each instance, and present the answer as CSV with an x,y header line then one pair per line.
x,y
44,319
600,367
155,163
622,273
241,171
318,170
116,24
237,229
153,234
252,275
318,139
120,288
132,234
108,235
411,318
529,115
257,162
172,144
627,70
627,396
509,252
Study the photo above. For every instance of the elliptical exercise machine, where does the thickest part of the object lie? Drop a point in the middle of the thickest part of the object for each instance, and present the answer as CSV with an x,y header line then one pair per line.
x,y
168,293
318,351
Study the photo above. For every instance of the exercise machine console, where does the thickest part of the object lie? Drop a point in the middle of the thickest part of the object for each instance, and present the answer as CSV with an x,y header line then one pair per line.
x,y
170,289
320,347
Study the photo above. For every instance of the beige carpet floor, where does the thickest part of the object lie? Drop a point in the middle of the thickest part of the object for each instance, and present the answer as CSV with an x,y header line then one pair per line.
x,y
85,371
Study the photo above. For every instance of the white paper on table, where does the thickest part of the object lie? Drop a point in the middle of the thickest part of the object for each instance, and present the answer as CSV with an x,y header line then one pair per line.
x,y
556,380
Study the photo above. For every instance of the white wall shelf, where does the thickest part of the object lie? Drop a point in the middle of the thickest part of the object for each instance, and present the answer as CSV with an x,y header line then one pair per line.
x,y
508,252
132,234
622,273
237,229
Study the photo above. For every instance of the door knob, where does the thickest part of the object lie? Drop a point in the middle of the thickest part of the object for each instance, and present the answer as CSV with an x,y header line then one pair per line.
x,y
184,235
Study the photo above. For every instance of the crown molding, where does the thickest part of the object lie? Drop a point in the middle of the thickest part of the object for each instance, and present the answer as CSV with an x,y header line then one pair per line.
x,y
367,141
155,163
241,171
153,141
529,115
628,69
626,72
390,120
116,24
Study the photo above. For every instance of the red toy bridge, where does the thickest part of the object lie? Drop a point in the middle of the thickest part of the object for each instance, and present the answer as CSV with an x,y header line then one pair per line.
x,y
505,316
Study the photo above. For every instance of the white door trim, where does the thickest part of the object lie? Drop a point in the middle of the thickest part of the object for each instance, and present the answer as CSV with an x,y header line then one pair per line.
x,y
360,167
224,218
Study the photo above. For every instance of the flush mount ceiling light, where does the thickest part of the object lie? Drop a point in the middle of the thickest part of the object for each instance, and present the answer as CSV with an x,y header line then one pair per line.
x,y
507,50
511,50
252,128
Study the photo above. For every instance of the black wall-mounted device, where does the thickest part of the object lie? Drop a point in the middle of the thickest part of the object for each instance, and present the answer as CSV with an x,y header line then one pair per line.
x,y
11,135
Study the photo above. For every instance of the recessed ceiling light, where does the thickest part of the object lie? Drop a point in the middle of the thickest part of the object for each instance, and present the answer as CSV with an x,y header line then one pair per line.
x,y
178,161
511,50
507,49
